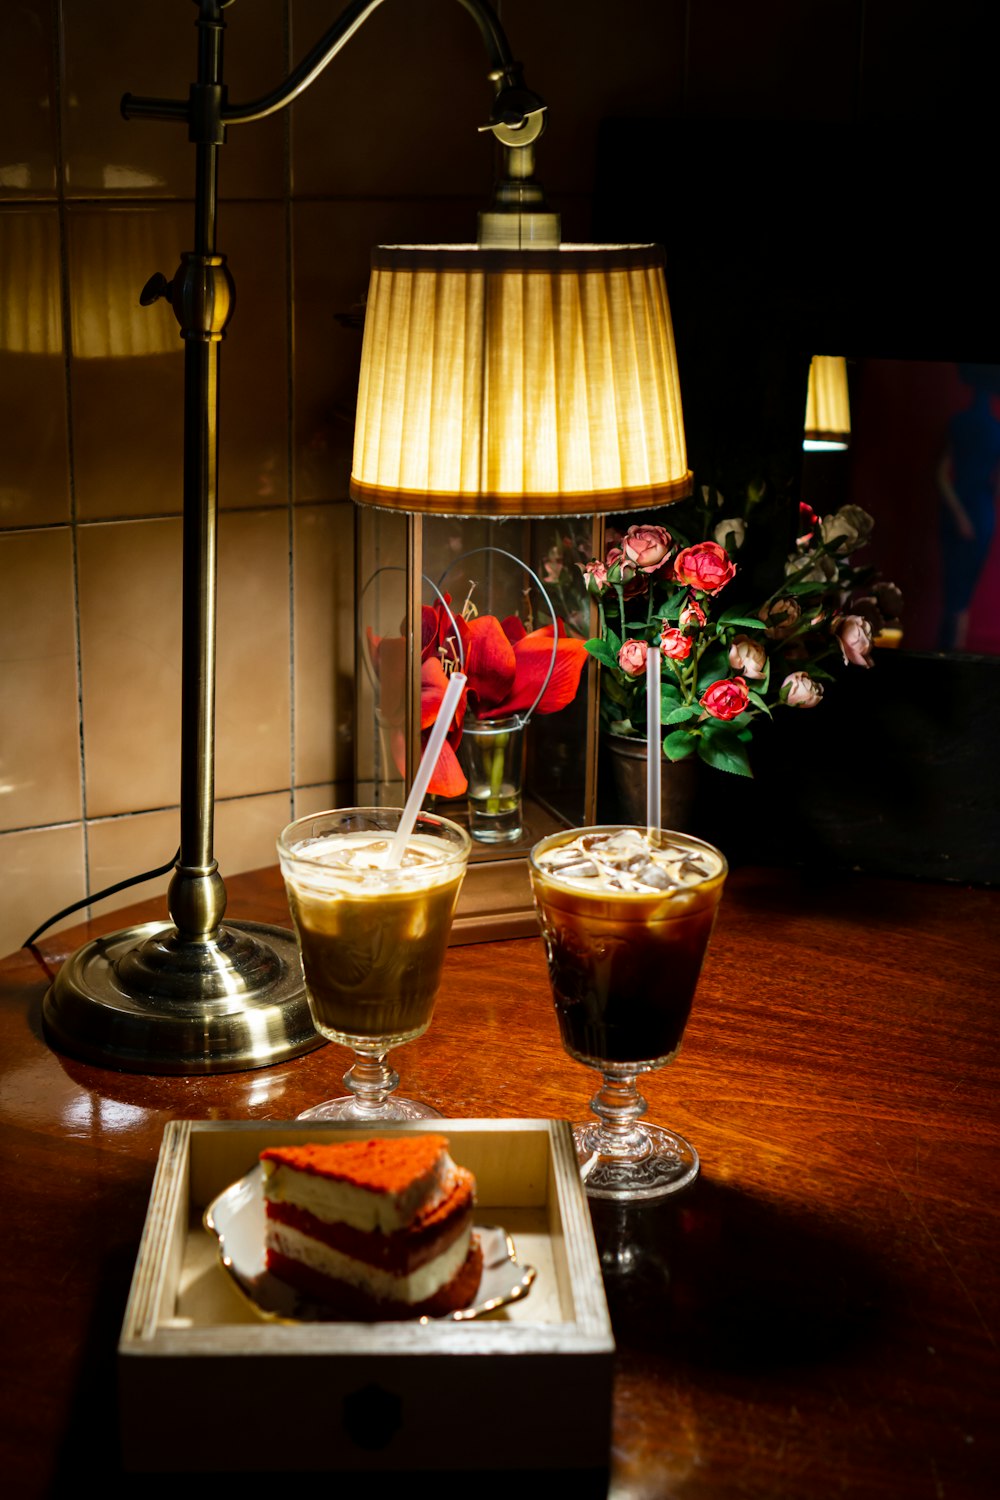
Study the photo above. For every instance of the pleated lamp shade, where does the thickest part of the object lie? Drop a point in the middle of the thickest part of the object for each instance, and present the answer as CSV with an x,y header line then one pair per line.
x,y
828,410
538,382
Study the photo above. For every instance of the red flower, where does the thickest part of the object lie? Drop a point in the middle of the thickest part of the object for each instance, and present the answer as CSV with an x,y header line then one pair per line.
x,y
725,699
705,566
674,643
388,655
504,664
506,667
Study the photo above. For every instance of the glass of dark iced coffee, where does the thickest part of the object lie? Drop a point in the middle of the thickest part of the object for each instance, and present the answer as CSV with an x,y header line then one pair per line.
x,y
373,937
626,916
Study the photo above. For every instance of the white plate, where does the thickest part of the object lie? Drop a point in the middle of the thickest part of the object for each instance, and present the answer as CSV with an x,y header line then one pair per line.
x,y
236,1218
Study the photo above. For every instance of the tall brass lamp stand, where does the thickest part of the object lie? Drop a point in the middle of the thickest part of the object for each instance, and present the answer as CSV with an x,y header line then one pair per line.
x,y
197,994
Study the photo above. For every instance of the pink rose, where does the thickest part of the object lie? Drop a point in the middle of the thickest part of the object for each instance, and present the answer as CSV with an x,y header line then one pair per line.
x,y
674,643
632,658
855,636
705,566
799,690
595,577
780,618
692,613
725,699
647,546
748,656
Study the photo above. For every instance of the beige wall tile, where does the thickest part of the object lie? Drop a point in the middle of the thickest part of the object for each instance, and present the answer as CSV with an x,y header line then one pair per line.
x,y
324,643
119,848
130,612
127,368
128,365
34,463
376,115
27,100
246,830
39,737
130,633
149,48
253,691
41,871
253,421
333,244
310,800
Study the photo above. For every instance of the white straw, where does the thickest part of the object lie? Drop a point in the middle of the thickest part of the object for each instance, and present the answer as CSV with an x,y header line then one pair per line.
x,y
425,770
653,740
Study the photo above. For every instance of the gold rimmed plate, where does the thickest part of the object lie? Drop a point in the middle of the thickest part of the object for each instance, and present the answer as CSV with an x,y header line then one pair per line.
x,y
236,1219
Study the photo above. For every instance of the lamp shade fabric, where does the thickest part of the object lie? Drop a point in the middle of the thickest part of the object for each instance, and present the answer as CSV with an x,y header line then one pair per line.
x,y
539,382
828,409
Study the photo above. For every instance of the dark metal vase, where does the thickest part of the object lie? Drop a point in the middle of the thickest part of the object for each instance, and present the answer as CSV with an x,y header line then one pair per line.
x,y
678,783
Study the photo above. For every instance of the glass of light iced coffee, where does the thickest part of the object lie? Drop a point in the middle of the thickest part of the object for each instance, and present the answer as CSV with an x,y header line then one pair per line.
x,y
372,938
625,918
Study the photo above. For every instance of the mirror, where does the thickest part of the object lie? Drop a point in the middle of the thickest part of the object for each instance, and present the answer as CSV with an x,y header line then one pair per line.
x,y
924,461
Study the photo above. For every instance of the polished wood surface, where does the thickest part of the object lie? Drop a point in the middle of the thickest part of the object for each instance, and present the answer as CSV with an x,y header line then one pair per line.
x,y
817,1316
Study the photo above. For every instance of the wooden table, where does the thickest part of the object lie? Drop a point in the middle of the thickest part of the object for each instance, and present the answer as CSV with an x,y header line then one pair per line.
x,y
817,1317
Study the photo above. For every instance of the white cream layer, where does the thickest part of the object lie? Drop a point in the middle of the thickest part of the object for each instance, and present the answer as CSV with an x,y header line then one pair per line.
x,y
344,1203
416,1287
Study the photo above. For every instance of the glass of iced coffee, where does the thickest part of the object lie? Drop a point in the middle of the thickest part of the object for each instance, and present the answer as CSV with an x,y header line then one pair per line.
x,y
626,915
373,936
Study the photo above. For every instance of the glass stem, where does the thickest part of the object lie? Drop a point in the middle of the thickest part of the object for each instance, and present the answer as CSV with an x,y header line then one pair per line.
x,y
370,1080
618,1105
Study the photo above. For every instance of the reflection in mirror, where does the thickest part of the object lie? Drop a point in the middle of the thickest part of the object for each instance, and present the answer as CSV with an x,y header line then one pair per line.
x,y
924,461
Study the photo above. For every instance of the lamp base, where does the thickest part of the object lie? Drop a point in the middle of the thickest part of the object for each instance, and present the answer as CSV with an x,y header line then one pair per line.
x,y
144,1001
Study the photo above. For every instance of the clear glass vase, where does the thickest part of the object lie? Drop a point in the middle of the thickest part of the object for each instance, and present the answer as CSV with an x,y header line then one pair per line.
x,y
492,756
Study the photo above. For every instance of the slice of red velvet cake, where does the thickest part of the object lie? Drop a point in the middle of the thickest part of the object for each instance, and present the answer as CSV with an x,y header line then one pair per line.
x,y
376,1229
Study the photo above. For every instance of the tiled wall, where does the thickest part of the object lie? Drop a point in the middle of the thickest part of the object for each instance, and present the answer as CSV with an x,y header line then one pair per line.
x,y
384,147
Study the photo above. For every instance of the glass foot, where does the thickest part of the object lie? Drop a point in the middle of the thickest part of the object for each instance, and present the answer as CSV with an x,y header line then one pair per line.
x,y
369,1112
646,1162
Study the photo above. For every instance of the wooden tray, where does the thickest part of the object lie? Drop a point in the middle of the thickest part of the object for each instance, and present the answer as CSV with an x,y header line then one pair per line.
x,y
204,1384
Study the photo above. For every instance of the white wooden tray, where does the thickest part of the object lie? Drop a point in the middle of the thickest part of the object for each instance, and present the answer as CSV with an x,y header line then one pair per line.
x,y
206,1385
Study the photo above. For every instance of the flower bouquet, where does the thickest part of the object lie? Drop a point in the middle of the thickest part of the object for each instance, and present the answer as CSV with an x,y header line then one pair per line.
x,y
737,641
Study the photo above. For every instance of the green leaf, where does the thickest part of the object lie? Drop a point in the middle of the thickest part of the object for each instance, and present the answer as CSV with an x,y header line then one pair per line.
x,y
679,745
758,702
603,653
736,616
683,714
804,588
724,752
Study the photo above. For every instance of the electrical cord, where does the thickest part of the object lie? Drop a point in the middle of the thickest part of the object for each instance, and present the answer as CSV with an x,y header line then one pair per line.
x,y
111,890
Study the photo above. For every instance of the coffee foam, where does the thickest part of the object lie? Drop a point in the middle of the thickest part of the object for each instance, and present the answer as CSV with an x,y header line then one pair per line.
x,y
357,864
623,861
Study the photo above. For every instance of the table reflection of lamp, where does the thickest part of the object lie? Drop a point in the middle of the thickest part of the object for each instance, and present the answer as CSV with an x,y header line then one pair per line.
x,y
828,408
496,423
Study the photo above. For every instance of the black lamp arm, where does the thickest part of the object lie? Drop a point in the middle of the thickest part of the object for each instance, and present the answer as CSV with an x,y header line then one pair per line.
x,y
513,103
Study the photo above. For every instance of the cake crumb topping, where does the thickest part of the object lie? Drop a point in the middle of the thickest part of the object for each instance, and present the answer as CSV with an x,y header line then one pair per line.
x,y
379,1165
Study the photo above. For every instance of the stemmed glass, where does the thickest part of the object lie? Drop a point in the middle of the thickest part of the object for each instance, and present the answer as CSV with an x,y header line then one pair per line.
x,y
372,939
624,961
